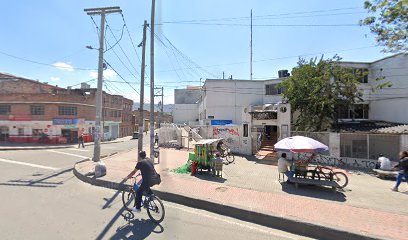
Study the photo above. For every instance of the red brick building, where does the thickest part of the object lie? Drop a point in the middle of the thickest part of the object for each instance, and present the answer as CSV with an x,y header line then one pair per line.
x,y
31,111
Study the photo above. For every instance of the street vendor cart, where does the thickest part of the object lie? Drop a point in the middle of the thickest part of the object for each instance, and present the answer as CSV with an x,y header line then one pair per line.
x,y
204,151
300,144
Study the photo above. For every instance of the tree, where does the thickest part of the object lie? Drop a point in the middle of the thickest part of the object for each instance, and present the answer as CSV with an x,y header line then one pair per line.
x,y
317,88
389,21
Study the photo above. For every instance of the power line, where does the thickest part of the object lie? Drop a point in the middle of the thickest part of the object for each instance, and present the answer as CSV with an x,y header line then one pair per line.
x,y
262,16
120,60
130,62
187,58
93,79
131,39
45,64
268,25
117,40
120,76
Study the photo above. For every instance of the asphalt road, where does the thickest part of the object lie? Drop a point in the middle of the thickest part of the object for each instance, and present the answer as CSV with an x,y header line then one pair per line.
x,y
42,199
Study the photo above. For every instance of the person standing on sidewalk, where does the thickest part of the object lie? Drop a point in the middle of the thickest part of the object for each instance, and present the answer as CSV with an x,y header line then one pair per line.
x,y
81,141
156,139
146,168
403,170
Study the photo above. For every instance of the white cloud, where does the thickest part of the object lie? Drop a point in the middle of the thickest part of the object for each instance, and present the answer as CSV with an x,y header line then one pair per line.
x,y
93,74
55,79
107,74
64,66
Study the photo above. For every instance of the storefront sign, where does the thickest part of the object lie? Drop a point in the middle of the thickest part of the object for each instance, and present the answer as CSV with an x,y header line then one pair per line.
x,y
220,122
68,121
69,126
20,118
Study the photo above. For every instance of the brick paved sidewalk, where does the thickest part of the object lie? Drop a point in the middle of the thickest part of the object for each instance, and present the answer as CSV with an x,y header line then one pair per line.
x,y
36,146
365,221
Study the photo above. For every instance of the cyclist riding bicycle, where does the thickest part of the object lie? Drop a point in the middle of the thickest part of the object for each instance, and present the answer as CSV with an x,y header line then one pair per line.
x,y
146,168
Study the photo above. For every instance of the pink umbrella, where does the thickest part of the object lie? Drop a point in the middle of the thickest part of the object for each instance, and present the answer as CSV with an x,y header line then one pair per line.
x,y
300,144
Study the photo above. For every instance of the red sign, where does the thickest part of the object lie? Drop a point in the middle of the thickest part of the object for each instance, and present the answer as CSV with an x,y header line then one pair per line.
x,y
20,118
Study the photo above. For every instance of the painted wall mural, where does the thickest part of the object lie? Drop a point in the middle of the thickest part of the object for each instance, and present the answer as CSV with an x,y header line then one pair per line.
x,y
231,136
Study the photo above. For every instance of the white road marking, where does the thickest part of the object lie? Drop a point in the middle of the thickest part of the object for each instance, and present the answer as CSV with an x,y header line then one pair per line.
x,y
231,222
28,164
77,149
70,154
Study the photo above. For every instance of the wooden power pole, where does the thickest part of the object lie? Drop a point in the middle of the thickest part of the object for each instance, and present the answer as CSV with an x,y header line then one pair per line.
x,y
142,78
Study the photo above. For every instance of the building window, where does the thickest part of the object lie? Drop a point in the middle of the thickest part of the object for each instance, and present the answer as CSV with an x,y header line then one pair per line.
x,y
361,74
5,109
37,110
106,129
245,130
271,89
210,117
356,111
67,111
21,132
37,132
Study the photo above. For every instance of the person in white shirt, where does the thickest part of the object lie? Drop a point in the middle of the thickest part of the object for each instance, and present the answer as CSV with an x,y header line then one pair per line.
x,y
283,166
384,163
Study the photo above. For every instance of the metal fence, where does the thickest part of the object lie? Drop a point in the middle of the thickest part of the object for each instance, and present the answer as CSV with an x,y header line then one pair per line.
x,y
369,146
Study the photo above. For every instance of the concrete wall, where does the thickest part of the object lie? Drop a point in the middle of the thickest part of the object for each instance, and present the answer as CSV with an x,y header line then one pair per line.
x,y
225,99
390,104
186,96
387,104
184,113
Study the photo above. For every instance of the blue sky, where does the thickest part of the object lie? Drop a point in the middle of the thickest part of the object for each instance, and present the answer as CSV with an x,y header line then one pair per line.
x,y
206,38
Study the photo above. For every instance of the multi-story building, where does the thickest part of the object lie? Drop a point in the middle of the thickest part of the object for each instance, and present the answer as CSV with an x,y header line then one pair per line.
x,y
31,111
253,104
185,108
387,104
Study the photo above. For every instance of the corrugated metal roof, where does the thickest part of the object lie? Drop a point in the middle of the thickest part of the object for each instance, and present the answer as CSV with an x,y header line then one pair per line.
x,y
401,129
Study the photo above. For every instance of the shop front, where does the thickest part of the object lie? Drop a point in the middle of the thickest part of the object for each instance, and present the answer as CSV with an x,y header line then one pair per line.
x,y
110,130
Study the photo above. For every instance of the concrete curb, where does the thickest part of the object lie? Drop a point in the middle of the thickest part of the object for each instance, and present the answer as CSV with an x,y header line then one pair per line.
x,y
277,222
48,147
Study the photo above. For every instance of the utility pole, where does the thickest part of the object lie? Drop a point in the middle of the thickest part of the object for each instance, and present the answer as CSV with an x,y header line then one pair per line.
x,y
162,106
98,131
160,116
152,80
251,49
142,78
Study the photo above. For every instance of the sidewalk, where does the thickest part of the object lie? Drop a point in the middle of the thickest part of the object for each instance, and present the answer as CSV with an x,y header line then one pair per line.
x,y
250,192
34,146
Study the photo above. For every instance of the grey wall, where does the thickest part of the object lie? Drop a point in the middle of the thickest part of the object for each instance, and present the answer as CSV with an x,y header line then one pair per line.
x,y
186,96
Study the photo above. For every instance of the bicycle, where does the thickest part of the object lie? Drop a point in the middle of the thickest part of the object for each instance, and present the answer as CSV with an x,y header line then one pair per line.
x,y
153,204
329,174
227,155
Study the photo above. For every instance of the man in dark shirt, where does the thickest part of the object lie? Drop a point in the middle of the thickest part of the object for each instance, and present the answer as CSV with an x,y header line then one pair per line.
x,y
146,168
403,170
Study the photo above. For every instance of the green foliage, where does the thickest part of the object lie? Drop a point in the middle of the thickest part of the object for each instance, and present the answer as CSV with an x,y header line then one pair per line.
x,y
389,21
316,88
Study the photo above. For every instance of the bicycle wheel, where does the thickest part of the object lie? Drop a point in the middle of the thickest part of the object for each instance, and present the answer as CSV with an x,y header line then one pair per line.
x,y
230,158
341,179
128,199
155,209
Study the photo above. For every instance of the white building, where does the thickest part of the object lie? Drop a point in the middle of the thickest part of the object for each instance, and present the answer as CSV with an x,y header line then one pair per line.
x,y
388,104
241,111
185,105
250,108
